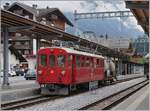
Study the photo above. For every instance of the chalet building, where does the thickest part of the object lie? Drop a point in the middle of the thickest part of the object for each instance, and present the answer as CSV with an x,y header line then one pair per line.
x,y
25,44
48,16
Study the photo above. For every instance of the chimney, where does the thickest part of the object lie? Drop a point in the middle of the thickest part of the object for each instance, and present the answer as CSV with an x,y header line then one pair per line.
x,y
34,6
6,6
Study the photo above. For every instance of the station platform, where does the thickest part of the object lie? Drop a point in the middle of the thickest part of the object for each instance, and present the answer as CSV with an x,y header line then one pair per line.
x,y
137,101
19,88
121,77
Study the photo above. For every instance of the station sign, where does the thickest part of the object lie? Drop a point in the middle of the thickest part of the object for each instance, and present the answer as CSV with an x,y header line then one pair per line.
x,y
139,60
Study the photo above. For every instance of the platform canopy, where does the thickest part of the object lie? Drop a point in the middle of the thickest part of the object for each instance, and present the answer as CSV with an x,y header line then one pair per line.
x,y
34,29
140,9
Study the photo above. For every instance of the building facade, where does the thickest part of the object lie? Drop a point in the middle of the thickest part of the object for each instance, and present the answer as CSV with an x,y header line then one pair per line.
x,y
141,45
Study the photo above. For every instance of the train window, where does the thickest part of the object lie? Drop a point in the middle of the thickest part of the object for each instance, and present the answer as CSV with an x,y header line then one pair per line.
x,y
78,61
82,62
61,60
52,60
69,59
91,62
97,62
102,63
87,62
43,60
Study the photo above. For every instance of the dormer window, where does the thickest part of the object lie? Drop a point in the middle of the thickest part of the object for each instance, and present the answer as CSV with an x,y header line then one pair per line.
x,y
18,34
26,16
54,17
52,24
19,12
43,21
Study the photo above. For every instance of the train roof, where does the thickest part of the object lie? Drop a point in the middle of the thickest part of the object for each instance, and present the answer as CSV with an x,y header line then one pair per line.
x,y
73,51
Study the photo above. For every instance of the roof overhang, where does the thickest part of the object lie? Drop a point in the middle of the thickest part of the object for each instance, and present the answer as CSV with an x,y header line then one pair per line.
x,y
30,27
140,9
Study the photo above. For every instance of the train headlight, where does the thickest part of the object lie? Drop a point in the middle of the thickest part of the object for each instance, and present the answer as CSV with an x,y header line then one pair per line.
x,y
63,72
52,71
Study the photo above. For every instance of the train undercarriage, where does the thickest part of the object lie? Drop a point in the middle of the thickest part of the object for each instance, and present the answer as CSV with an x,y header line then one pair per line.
x,y
60,89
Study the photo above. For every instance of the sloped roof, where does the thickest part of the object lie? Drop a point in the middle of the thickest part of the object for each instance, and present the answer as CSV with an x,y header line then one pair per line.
x,y
41,12
140,9
45,31
46,11
26,7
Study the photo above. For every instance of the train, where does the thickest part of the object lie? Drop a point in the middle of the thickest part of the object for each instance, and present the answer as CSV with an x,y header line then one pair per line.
x,y
61,70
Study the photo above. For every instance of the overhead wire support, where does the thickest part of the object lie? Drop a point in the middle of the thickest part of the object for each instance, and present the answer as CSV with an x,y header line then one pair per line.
x,y
107,14
102,15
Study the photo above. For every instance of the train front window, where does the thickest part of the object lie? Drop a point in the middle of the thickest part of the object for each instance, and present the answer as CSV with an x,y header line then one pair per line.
x,y
52,60
61,60
43,60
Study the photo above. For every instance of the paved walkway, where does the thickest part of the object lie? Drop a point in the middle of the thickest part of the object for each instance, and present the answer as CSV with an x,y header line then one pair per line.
x,y
19,88
120,77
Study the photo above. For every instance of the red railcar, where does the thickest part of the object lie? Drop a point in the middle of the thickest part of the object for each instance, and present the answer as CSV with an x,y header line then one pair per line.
x,y
64,68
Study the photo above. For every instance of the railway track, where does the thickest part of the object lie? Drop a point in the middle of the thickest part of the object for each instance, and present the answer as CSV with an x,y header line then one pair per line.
x,y
41,99
27,102
111,101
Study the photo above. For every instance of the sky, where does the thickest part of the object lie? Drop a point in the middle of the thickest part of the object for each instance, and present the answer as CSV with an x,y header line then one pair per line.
x,y
125,27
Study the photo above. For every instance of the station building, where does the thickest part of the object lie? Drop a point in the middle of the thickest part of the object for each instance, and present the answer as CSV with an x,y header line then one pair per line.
x,y
141,45
117,43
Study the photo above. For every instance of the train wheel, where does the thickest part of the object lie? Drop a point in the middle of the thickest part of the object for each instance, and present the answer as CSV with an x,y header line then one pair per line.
x,y
69,89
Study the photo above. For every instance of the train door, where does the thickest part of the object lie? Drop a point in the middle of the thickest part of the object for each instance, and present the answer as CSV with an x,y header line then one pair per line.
x,y
74,71
92,69
52,67
70,68
61,67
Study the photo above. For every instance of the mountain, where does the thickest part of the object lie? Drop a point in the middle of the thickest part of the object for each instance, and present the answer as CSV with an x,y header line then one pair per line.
x,y
114,27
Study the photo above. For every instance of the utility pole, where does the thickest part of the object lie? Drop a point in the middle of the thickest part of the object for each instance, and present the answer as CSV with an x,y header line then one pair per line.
x,y
75,22
144,45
